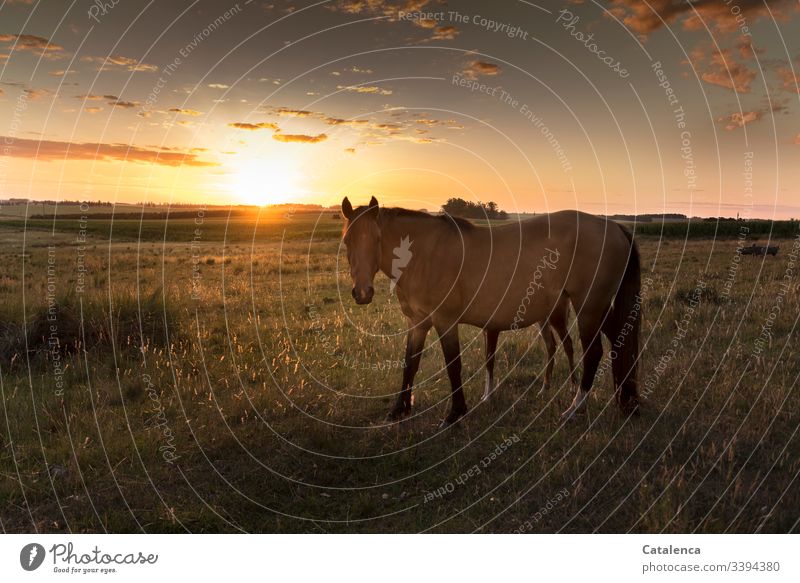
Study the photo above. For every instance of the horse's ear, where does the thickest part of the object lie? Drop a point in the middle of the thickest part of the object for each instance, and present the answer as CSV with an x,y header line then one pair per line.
x,y
373,202
347,208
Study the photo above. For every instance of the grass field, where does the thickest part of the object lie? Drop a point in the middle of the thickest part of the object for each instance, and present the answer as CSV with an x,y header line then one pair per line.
x,y
210,375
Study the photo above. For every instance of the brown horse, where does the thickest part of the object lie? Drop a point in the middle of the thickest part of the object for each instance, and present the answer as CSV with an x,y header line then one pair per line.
x,y
450,272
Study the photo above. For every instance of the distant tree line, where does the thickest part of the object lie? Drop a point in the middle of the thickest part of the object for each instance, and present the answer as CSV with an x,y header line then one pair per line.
x,y
458,207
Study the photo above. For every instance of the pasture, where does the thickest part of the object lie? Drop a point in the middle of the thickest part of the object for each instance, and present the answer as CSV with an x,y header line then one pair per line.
x,y
207,375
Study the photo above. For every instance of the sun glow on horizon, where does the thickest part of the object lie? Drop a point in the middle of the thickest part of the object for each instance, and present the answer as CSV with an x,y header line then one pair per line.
x,y
265,181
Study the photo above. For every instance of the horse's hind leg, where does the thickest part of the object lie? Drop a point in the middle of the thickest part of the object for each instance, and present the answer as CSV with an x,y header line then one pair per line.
x,y
490,338
589,325
415,343
550,343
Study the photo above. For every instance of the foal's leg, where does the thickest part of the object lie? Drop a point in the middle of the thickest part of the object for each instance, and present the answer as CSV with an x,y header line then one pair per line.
x,y
448,336
490,338
589,326
415,342
550,343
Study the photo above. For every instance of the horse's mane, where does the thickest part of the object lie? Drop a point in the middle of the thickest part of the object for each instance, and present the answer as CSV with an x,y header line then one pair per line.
x,y
449,220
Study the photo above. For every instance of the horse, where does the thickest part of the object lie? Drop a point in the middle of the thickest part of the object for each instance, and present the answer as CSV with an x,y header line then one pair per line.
x,y
501,278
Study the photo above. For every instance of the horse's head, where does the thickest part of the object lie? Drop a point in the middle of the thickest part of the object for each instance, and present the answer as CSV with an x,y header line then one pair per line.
x,y
362,237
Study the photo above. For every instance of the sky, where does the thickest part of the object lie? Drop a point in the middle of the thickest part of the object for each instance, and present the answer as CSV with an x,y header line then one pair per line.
x,y
610,107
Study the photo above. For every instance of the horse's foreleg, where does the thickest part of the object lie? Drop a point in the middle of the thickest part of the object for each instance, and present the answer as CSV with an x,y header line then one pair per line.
x,y
490,338
448,336
592,354
415,343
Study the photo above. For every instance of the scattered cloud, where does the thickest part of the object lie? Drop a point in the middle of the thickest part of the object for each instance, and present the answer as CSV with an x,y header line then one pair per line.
x,y
475,69
720,67
789,79
365,89
722,17
289,112
301,138
34,94
219,86
445,33
112,100
37,45
47,150
255,126
740,119
119,62
180,111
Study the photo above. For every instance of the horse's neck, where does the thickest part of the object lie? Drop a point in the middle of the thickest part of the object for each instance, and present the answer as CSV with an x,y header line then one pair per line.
x,y
402,237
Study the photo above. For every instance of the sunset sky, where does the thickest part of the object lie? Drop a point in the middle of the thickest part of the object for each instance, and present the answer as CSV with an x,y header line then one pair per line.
x,y
259,102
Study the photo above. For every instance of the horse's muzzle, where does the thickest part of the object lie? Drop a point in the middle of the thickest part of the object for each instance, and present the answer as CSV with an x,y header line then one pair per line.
x,y
363,296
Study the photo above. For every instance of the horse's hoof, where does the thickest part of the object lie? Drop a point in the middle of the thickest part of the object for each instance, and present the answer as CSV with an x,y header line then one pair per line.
x,y
630,408
452,418
399,413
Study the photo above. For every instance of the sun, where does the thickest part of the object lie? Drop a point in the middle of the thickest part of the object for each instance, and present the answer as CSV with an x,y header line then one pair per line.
x,y
262,182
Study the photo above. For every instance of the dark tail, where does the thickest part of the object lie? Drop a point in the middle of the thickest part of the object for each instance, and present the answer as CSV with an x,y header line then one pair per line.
x,y
626,318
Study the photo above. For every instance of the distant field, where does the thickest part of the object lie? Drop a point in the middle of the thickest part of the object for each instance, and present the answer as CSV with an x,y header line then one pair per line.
x,y
216,376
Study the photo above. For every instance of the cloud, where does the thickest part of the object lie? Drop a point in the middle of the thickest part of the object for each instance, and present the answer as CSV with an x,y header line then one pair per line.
x,y
92,109
740,119
789,79
288,112
37,45
350,150
720,67
219,86
47,151
301,138
179,111
365,89
723,17
255,126
61,73
119,62
34,94
477,68
797,140
445,33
